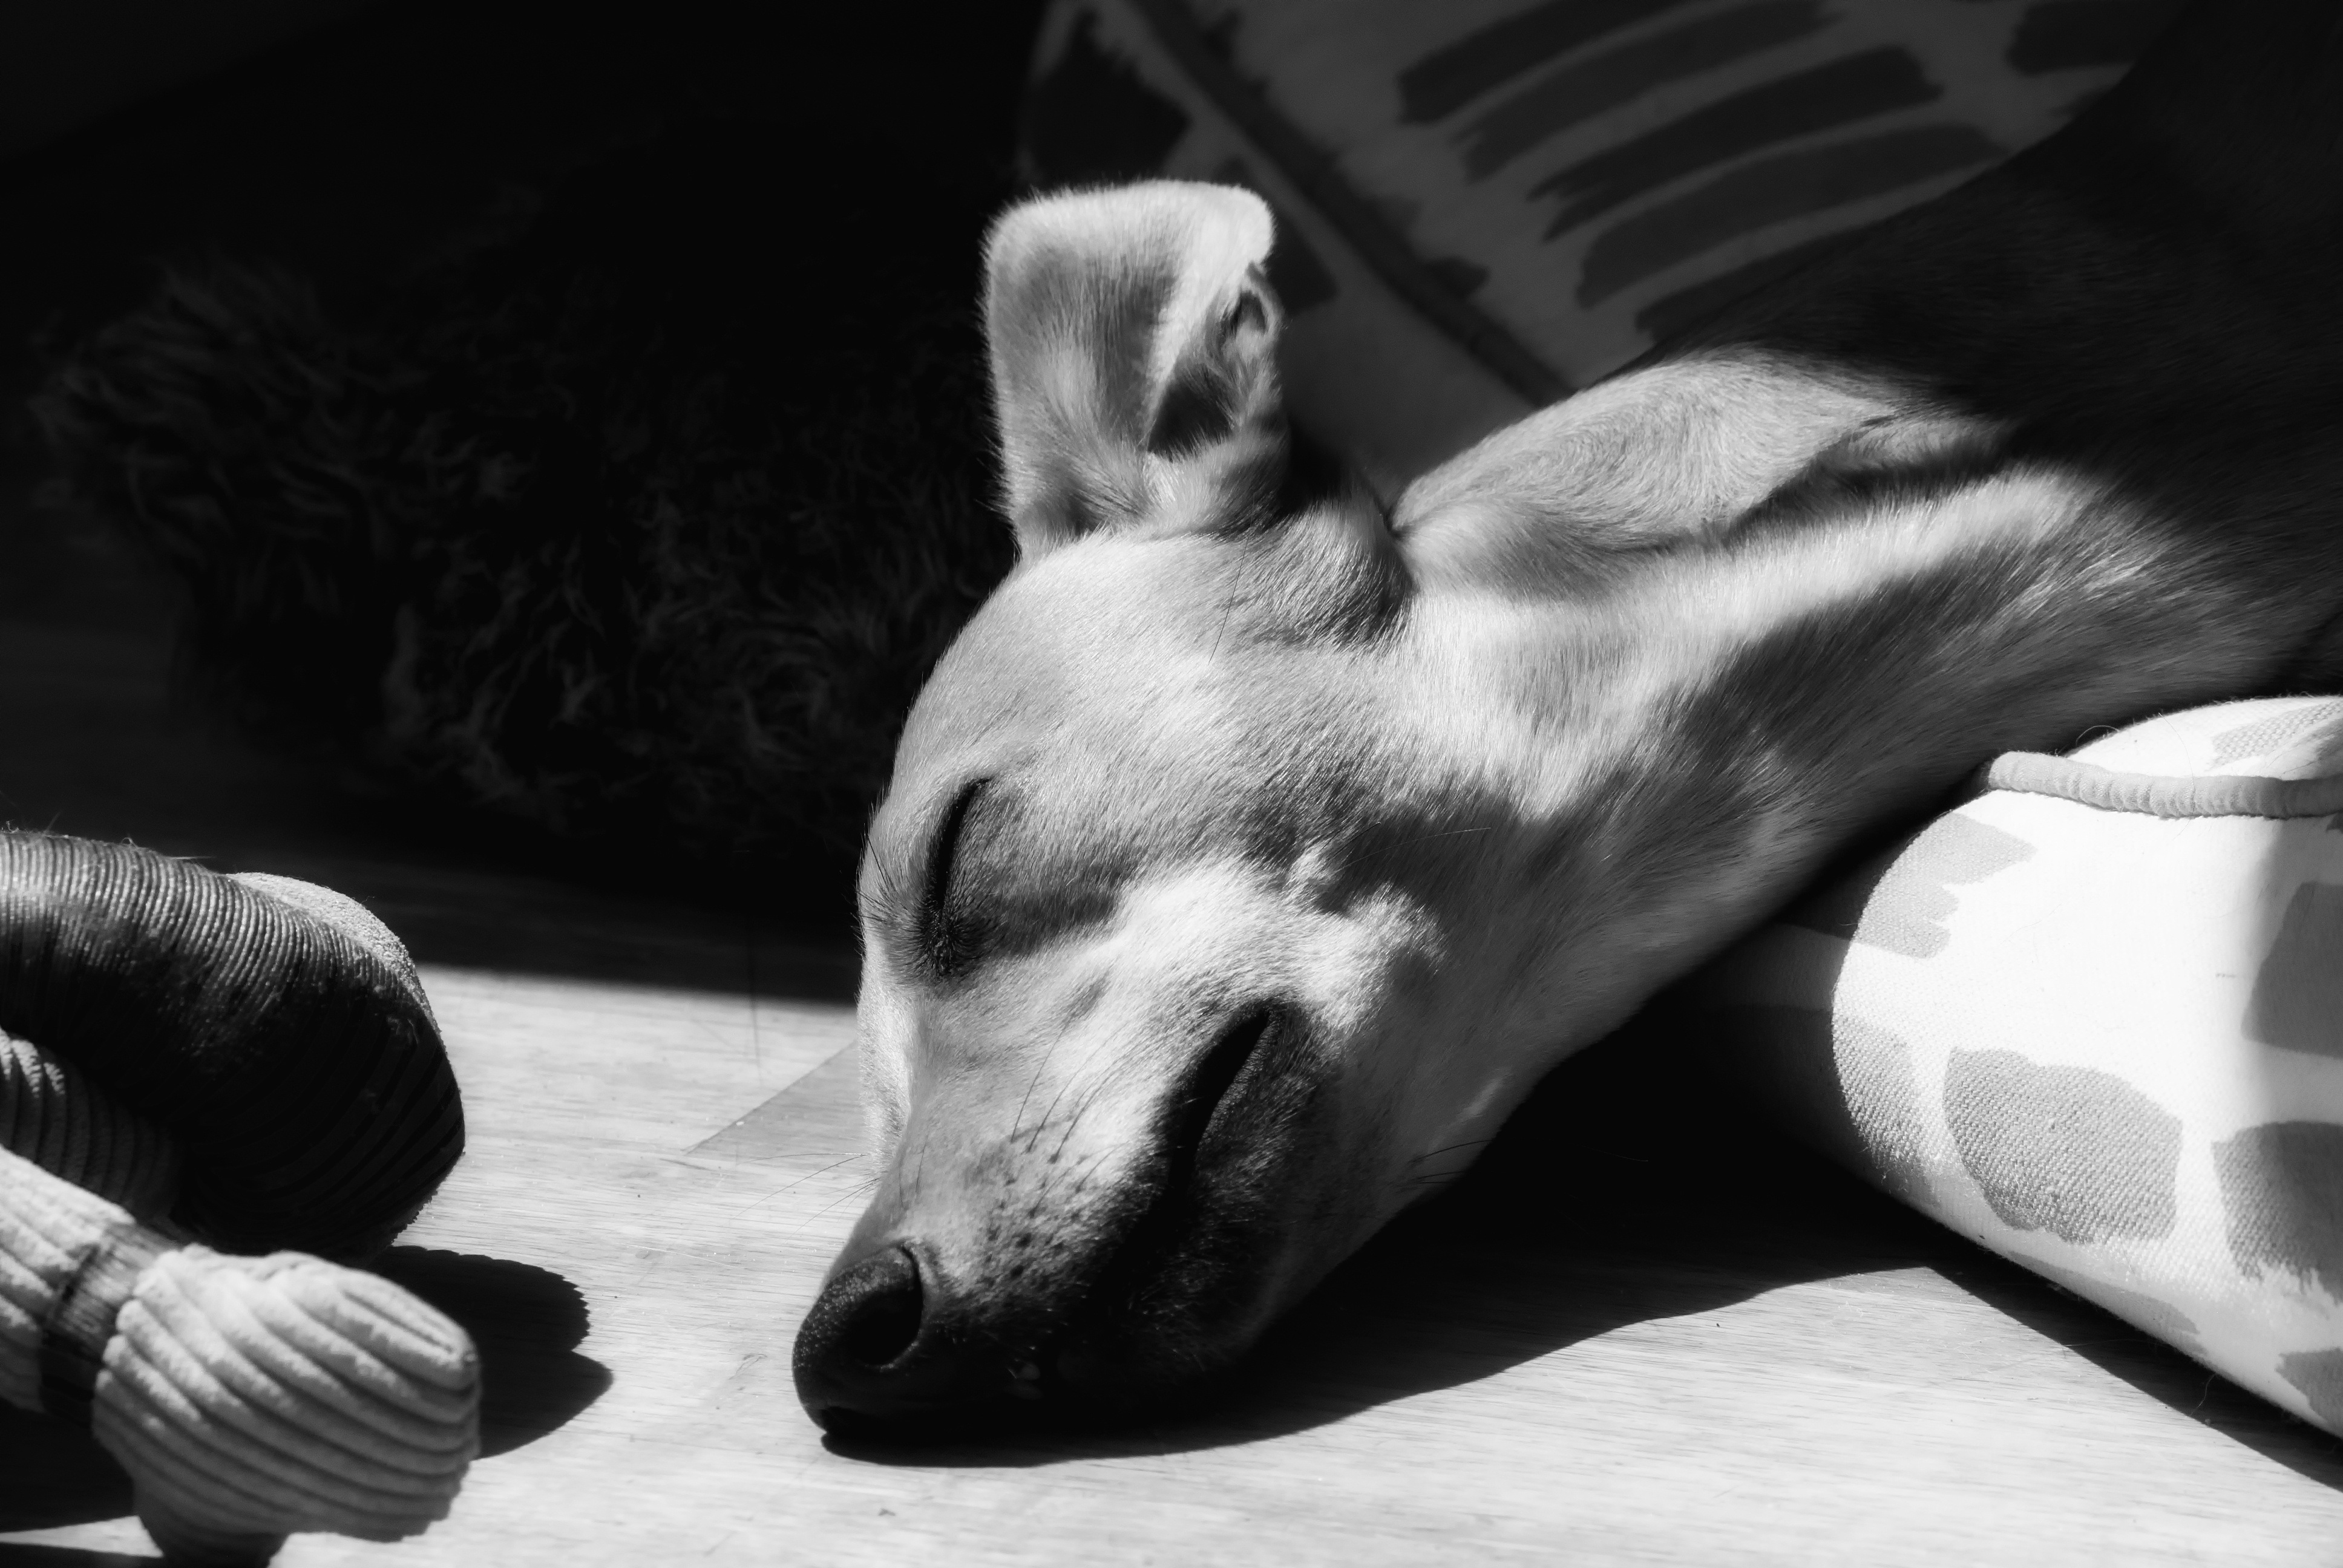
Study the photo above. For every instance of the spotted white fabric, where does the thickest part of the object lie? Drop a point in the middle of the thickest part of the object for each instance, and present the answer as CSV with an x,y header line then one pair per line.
x,y
1483,203
2100,1031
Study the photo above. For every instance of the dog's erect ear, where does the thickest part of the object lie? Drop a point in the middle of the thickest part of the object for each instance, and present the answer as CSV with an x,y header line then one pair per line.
x,y
1133,344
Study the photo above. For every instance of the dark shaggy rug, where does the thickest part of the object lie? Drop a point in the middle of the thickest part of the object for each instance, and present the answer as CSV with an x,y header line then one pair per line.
x,y
639,519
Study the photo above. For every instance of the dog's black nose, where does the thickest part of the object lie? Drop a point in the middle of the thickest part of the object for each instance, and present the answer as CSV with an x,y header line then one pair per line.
x,y
870,1313
873,1359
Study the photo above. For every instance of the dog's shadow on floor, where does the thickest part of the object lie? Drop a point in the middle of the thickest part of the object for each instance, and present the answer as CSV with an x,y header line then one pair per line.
x,y
1626,1190
525,1320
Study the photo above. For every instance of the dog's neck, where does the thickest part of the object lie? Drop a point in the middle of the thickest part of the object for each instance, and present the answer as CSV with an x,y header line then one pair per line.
x,y
1869,595
2052,453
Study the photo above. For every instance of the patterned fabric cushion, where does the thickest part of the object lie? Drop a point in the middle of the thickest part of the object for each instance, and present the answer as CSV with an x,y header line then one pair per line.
x,y
2094,1019
1483,203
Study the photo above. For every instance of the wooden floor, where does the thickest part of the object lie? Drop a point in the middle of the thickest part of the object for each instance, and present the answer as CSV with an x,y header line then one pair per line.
x,y
1639,1334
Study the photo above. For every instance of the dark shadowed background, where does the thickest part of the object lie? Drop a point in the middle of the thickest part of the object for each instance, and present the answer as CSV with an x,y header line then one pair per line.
x,y
747,232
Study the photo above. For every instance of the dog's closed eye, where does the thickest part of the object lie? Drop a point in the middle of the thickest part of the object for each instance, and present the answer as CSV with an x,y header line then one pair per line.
x,y
949,932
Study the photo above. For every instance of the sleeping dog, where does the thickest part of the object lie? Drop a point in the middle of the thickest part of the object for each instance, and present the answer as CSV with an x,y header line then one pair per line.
x,y
1261,842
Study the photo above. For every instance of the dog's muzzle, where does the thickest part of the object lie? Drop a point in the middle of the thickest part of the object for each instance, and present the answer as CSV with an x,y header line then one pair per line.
x,y
1166,1286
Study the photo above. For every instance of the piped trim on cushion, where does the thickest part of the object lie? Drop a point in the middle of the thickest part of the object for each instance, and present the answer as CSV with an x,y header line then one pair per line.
x,y
2159,795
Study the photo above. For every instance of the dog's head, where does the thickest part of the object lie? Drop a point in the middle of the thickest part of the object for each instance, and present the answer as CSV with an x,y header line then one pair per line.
x,y
1209,919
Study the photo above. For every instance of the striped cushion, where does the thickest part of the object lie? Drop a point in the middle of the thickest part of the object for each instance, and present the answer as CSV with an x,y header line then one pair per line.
x,y
1485,203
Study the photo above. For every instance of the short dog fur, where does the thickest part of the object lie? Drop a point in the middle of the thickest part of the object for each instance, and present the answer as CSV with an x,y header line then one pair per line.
x,y
1260,844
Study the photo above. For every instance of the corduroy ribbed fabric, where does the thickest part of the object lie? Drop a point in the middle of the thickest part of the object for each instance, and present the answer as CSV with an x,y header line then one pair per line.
x,y
246,1397
250,1397
50,1233
284,1044
54,1115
